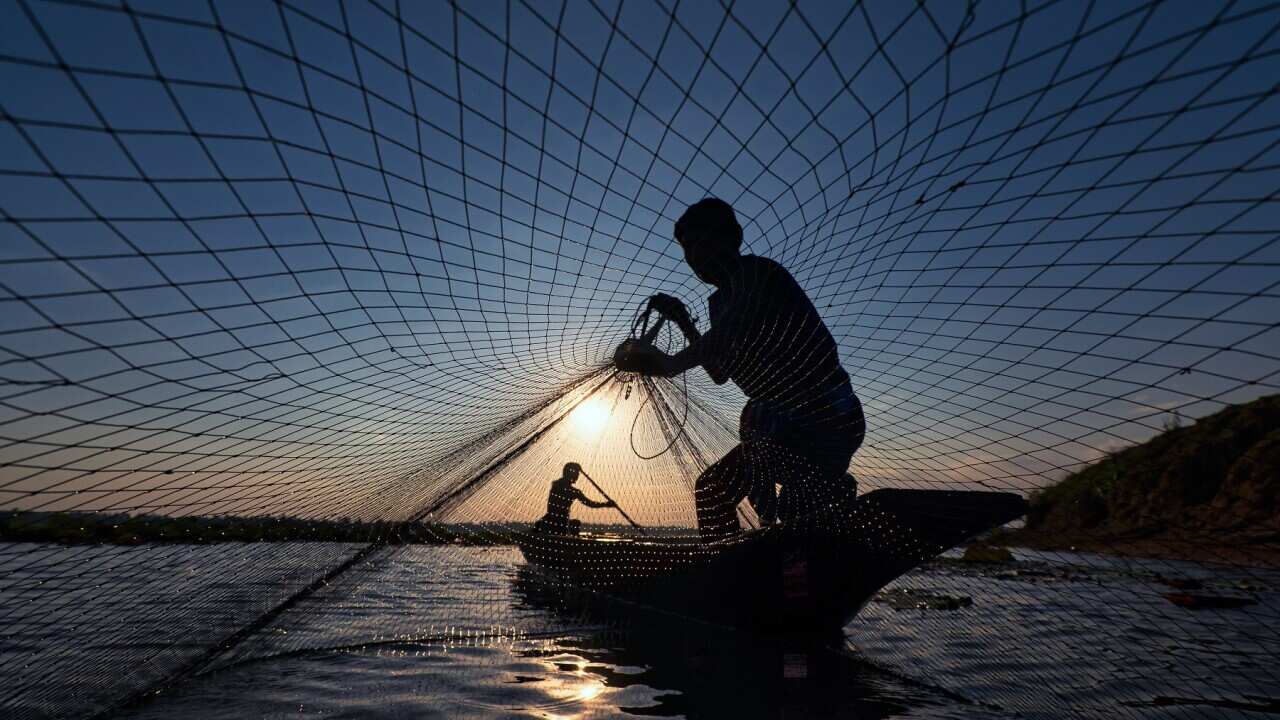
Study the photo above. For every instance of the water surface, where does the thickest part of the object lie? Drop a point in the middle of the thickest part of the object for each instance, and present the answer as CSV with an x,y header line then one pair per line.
x,y
429,631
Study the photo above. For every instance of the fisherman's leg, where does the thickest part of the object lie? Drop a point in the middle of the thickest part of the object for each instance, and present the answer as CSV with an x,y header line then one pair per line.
x,y
717,493
758,477
764,500
838,486
816,476
815,494
816,482
553,524
759,423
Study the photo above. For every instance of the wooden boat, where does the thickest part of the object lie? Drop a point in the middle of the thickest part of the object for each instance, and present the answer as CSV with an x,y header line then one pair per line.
x,y
809,577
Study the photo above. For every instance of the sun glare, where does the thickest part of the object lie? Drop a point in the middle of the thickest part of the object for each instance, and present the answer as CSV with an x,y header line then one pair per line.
x,y
590,418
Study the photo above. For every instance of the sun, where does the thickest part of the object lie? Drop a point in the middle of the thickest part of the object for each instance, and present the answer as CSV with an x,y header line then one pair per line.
x,y
590,418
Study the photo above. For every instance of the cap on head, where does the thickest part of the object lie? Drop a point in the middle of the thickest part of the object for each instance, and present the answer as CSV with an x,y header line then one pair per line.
x,y
710,220
572,468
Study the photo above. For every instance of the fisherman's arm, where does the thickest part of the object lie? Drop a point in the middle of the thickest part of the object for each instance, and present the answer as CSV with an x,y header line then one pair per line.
x,y
672,309
712,350
582,498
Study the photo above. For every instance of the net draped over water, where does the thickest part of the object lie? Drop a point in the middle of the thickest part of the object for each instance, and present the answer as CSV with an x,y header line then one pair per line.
x,y
368,263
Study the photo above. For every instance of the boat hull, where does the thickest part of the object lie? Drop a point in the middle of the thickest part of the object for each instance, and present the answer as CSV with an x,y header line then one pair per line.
x,y
813,577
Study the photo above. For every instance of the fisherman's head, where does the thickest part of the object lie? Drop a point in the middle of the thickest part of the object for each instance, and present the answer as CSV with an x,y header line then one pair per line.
x,y
711,238
571,471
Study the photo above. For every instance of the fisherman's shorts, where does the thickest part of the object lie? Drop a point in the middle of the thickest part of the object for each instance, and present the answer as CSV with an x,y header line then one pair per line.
x,y
822,432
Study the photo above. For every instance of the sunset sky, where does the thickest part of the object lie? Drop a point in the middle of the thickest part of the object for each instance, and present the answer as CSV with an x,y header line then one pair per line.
x,y
294,262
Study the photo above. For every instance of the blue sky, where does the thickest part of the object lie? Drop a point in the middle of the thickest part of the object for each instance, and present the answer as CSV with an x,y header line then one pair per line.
x,y
279,257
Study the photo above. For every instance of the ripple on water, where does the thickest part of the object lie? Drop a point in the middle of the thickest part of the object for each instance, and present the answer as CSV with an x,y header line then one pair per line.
x,y
604,675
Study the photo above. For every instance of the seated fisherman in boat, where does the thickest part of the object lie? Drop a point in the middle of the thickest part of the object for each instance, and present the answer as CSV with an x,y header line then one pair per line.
x,y
560,500
802,422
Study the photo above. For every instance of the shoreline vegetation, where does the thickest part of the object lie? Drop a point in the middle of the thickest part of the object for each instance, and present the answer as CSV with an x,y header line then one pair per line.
x,y
89,528
93,528
1209,491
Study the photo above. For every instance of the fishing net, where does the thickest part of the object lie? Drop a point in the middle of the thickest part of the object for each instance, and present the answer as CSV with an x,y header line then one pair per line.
x,y
300,302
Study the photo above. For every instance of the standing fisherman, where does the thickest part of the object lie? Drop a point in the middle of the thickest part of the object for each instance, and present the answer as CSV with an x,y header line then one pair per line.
x,y
802,422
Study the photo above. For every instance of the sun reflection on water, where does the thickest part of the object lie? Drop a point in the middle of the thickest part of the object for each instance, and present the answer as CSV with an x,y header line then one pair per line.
x,y
577,691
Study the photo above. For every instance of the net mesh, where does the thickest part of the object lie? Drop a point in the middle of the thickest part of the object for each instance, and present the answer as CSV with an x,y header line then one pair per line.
x,y
325,269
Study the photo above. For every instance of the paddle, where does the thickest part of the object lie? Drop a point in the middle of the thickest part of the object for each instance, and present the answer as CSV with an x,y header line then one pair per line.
x,y
600,490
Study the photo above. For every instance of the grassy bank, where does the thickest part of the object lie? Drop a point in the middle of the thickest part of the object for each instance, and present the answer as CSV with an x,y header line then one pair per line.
x,y
1209,490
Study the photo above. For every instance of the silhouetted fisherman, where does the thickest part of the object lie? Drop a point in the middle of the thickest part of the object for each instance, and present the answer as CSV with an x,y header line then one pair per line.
x,y
802,422
560,500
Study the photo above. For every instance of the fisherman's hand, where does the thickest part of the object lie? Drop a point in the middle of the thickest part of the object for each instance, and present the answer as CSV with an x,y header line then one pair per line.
x,y
670,307
639,357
